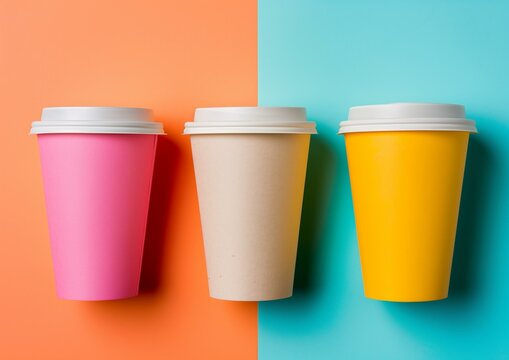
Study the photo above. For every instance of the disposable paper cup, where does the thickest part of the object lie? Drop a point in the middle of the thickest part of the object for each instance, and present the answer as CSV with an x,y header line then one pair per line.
x,y
250,167
97,166
406,164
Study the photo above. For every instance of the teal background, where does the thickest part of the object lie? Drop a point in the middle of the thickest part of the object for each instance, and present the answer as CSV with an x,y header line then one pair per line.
x,y
330,55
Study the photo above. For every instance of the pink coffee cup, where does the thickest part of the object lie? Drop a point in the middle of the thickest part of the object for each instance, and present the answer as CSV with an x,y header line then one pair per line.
x,y
97,166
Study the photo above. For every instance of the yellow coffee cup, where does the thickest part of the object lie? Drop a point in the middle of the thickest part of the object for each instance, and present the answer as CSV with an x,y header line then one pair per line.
x,y
406,163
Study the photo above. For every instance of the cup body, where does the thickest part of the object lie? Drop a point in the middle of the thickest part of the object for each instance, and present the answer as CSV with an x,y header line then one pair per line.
x,y
406,188
250,190
97,189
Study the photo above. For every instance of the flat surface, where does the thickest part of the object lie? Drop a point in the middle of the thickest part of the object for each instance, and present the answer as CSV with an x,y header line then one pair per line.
x,y
330,55
171,56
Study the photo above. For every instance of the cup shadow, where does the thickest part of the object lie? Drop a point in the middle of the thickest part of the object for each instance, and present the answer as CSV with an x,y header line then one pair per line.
x,y
469,245
322,164
163,187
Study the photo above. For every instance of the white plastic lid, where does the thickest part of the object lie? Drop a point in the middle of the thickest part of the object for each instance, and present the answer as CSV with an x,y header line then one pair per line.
x,y
96,120
407,117
250,120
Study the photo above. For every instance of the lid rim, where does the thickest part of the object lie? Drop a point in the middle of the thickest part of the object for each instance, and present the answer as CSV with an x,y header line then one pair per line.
x,y
97,119
352,128
409,119
132,124
249,130
343,132
423,124
257,124
91,130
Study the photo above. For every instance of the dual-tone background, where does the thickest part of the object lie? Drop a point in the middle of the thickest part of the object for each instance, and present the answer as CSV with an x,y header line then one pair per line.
x,y
174,56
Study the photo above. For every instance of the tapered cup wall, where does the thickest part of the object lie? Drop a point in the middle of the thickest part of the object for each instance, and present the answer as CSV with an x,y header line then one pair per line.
x,y
97,189
250,189
406,188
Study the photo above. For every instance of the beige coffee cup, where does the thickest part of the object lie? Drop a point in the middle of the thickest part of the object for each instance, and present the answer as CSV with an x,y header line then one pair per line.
x,y
250,167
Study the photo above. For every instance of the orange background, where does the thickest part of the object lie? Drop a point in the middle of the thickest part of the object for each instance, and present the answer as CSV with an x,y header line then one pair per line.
x,y
171,56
